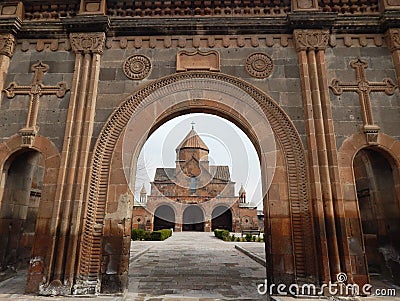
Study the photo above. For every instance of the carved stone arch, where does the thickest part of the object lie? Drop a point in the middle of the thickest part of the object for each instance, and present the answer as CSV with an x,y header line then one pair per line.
x,y
352,145
283,129
390,149
43,244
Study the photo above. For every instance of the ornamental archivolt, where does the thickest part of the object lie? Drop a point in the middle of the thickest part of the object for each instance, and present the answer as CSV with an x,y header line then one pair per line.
x,y
7,44
88,42
137,67
259,65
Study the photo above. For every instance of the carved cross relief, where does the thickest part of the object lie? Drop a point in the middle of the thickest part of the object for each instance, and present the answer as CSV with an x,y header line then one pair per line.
x,y
363,88
35,91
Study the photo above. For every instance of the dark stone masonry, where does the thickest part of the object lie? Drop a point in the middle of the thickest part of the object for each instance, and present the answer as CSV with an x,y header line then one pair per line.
x,y
313,84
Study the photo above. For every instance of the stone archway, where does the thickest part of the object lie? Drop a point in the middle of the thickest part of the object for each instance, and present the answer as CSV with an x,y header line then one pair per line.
x,y
221,218
23,175
193,219
199,89
44,238
379,208
164,218
346,155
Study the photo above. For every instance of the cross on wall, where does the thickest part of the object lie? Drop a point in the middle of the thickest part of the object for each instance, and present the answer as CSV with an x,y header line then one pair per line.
x,y
35,91
363,87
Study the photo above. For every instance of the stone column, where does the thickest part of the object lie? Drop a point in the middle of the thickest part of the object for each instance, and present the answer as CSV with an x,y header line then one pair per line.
x,y
393,43
310,46
72,178
7,48
11,15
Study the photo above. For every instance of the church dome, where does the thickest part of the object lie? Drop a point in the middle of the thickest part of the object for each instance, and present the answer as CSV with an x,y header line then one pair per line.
x,y
192,140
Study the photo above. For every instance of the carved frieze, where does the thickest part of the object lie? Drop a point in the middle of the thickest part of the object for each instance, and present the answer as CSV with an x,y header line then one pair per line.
x,y
311,39
393,39
137,67
88,42
7,44
259,65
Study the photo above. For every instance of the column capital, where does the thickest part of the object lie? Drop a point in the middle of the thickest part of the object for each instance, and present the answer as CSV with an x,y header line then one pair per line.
x,y
7,44
88,42
393,39
311,39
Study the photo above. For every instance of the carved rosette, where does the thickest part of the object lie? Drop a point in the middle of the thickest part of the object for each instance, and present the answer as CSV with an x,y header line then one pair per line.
x,y
88,42
393,39
7,45
311,39
259,65
137,67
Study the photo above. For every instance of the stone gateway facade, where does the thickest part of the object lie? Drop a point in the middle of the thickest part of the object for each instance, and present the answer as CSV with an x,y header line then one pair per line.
x,y
313,84
194,195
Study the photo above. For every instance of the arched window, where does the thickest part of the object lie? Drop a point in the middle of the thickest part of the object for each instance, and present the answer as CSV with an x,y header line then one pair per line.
x,y
192,185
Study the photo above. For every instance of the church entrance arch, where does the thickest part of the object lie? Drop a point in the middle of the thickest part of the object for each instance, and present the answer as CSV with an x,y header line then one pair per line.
x,y
379,208
23,174
221,218
118,146
193,219
164,218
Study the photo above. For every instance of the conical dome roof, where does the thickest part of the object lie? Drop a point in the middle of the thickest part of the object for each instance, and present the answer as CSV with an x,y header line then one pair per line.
x,y
143,190
241,191
192,140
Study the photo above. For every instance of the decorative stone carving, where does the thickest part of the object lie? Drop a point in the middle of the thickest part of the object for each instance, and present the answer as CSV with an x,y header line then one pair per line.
x,y
197,60
311,39
304,5
363,87
393,39
92,7
371,134
35,91
137,67
259,65
88,42
10,10
390,4
7,45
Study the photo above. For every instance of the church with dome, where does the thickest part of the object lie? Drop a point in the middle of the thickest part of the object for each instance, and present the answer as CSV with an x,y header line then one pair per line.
x,y
194,195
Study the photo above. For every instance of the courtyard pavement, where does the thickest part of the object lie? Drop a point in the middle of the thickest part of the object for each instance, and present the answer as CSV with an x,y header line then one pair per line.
x,y
189,266
193,266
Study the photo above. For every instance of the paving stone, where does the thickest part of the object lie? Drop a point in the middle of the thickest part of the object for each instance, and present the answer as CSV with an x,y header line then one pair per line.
x,y
201,265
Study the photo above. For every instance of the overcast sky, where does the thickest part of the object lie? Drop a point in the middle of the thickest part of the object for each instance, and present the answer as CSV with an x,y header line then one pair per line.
x,y
228,145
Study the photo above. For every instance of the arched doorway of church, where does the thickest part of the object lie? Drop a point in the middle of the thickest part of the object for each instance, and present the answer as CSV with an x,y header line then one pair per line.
x,y
164,218
221,218
378,202
21,189
193,219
